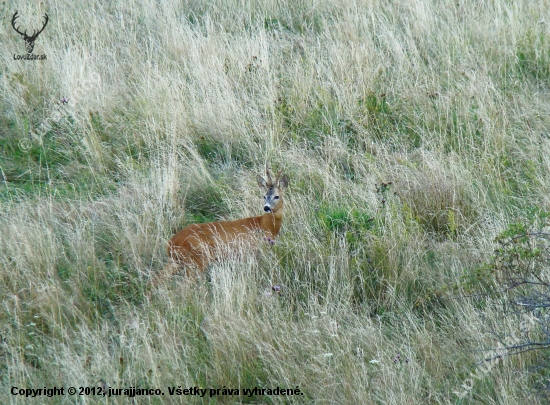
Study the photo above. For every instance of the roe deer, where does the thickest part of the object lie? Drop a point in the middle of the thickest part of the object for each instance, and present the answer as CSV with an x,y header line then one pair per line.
x,y
196,245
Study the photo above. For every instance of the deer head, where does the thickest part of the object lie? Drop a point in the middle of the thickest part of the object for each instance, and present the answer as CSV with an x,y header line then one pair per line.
x,y
29,39
273,189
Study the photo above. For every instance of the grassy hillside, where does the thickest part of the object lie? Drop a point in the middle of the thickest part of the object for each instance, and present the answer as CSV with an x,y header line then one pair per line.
x,y
413,133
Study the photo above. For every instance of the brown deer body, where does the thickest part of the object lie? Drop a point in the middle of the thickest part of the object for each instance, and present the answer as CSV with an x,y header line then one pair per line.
x,y
195,246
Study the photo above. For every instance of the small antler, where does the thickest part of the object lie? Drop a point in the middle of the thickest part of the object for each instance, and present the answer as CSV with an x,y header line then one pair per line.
x,y
277,178
269,180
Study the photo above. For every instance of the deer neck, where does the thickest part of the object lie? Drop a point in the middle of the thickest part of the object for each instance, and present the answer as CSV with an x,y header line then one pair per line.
x,y
272,221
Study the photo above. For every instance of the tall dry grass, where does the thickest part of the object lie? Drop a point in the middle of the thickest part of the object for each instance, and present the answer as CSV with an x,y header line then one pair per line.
x,y
448,101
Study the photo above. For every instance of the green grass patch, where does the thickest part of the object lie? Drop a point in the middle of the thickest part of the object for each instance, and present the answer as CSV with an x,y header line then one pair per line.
x,y
533,55
319,119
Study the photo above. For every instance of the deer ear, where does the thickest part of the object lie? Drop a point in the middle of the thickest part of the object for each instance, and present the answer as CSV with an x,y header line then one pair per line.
x,y
283,182
261,182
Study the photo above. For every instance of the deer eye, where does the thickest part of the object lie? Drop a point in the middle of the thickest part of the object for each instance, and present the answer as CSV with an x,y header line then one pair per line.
x,y
265,197
276,197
